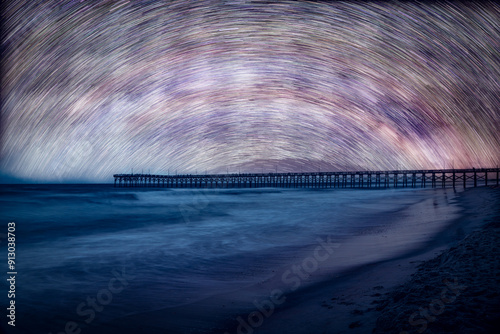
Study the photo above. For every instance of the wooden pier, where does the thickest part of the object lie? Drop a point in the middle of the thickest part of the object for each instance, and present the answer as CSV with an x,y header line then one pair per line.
x,y
363,179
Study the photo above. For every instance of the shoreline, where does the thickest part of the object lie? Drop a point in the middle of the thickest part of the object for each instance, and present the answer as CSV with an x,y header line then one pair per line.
x,y
455,292
351,302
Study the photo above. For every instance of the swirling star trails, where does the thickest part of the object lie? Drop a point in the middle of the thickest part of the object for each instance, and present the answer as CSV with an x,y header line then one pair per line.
x,y
92,88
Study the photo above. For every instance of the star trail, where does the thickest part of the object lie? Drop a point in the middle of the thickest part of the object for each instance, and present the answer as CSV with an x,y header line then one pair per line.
x,y
93,88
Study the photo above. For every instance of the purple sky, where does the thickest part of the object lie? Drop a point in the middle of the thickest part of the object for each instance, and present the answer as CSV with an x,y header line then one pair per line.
x,y
90,89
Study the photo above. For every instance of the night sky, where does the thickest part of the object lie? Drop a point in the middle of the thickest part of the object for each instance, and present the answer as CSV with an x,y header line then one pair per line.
x,y
93,88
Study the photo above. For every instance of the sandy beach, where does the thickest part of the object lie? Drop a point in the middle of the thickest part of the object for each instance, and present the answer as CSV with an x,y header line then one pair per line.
x,y
457,291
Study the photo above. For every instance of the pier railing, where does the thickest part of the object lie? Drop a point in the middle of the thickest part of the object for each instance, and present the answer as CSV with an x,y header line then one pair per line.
x,y
360,179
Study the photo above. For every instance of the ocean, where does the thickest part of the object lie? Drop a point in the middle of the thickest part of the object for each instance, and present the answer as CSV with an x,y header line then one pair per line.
x,y
92,258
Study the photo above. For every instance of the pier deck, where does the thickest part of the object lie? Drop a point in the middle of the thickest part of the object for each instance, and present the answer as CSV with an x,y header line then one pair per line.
x,y
360,179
